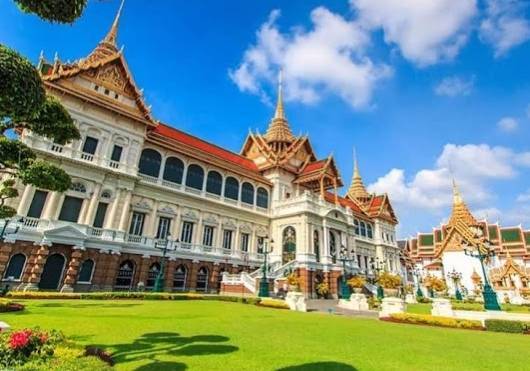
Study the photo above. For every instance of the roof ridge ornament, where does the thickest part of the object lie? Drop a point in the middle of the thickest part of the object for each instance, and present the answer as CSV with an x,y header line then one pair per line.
x,y
279,131
357,189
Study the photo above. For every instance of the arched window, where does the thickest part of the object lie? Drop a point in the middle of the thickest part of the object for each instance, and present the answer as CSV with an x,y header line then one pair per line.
x,y
15,267
231,188
202,279
154,270
369,231
106,194
85,273
316,245
332,247
195,177
247,193
363,229
262,198
288,244
173,170
125,275
78,187
179,278
214,183
150,162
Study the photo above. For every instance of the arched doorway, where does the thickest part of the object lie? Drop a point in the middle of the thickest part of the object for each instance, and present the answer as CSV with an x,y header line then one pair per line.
x,y
52,272
288,245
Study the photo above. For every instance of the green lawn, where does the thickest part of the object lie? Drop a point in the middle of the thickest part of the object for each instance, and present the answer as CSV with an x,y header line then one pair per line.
x,y
207,335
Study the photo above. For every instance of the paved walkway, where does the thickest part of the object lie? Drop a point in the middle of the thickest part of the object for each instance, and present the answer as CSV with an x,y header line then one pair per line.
x,y
330,306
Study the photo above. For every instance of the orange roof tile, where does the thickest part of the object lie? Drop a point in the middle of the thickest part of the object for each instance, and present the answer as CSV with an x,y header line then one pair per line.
x,y
201,145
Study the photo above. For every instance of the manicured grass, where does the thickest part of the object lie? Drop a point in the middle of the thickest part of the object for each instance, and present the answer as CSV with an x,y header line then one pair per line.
x,y
425,308
205,335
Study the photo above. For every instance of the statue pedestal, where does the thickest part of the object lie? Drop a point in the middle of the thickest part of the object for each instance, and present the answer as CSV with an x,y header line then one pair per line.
x,y
357,302
410,299
296,301
442,307
392,305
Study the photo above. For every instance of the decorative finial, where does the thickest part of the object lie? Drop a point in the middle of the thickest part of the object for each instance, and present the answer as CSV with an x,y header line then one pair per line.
x,y
280,114
457,197
113,33
356,173
56,57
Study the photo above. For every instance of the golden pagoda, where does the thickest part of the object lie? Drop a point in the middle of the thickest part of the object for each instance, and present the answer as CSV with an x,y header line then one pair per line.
x,y
357,190
279,134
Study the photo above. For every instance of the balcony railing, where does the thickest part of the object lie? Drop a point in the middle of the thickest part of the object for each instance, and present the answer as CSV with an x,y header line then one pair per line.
x,y
27,227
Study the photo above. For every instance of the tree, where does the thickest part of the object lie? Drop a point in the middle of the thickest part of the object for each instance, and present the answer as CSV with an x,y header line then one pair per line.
x,y
24,105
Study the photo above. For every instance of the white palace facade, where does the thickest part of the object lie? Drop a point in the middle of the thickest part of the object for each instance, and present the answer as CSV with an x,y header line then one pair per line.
x,y
140,185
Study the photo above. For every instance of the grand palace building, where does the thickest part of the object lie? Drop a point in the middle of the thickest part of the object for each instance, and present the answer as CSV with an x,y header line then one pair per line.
x,y
143,191
443,251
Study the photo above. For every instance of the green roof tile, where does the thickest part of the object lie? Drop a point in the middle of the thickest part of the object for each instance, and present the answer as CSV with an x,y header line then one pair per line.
x,y
511,235
426,240
527,238
492,230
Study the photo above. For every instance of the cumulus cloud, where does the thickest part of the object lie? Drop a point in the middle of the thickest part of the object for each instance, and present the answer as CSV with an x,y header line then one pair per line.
x,y
329,57
453,86
473,166
508,124
425,32
504,25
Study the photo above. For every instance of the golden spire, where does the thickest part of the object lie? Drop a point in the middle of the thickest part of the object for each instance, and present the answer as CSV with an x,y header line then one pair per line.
x,y
110,38
357,189
107,46
279,130
460,210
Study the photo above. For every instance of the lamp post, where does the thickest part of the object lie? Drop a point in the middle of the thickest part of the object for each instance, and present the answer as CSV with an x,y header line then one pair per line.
x,y
378,267
490,297
159,282
417,274
264,282
456,277
344,257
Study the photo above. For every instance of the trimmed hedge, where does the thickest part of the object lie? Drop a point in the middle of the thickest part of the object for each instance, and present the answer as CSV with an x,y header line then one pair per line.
x,y
10,306
131,295
272,303
502,325
425,319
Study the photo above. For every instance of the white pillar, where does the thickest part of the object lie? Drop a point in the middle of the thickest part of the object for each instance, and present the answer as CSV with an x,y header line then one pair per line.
x,y
92,206
50,208
152,221
124,217
109,220
25,200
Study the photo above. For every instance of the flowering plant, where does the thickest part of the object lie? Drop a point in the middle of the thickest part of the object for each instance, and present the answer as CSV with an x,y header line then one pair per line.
x,y
389,281
356,282
17,347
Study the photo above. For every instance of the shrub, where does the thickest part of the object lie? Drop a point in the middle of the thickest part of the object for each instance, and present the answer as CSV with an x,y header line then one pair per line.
x,y
356,282
10,306
468,306
272,303
388,280
435,283
373,302
501,325
292,280
62,11
424,300
323,289
425,319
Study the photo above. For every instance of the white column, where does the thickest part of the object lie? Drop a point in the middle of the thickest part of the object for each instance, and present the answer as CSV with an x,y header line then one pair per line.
x,y
325,240
83,211
109,220
50,208
124,217
196,240
152,221
175,231
25,200
92,206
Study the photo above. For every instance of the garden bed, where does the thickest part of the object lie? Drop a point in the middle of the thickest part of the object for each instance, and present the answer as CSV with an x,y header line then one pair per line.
x,y
10,306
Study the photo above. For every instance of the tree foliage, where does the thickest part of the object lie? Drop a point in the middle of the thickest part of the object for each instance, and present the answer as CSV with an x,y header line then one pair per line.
x,y
21,90
60,11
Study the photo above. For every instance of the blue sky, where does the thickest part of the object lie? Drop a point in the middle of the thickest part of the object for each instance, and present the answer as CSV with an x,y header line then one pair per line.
x,y
424,93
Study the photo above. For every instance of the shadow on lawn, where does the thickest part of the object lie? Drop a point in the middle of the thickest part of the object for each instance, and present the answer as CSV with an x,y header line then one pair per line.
x,y
150,345
320,366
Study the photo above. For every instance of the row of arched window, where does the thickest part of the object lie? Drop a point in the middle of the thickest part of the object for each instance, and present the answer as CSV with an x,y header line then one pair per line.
x,y
363,229
124,278
151,161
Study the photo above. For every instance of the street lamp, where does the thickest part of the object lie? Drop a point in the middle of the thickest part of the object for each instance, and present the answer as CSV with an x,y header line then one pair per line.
x,y
344,257
159,282
490,297
417,274
378,267
264,282
456,277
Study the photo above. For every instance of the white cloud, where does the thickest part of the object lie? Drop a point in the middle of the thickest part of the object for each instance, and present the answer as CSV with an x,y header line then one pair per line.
x,y
425,31
508,124
524,197
473,166
504,25
453,86
491,214
330,57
